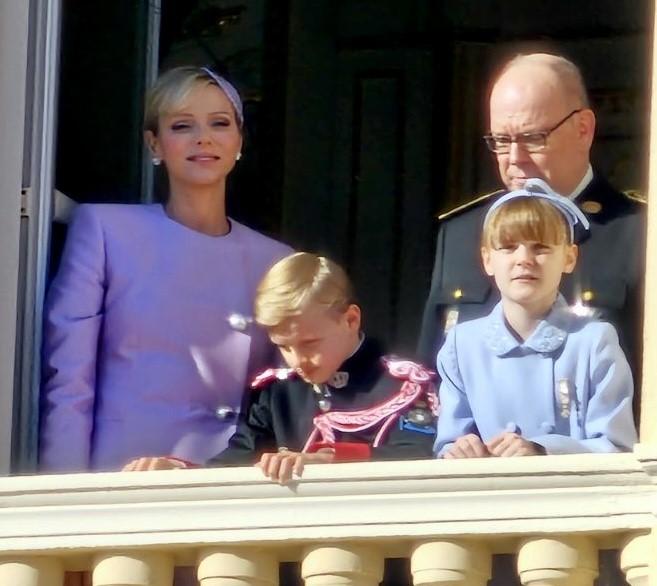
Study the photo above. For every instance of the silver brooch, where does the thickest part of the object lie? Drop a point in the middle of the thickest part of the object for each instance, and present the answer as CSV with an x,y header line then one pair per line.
x,y
339,379
451,319
238,322
563,397
420,414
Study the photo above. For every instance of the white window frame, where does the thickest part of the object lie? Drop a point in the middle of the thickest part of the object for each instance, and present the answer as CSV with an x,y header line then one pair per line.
x,y
648,428
13,74
29,51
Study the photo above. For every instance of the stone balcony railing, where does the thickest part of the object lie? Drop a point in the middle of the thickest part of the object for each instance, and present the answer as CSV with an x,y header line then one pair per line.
x,y
340,521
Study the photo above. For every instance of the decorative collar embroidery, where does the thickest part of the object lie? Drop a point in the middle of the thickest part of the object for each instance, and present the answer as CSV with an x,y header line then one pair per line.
x,y
549,335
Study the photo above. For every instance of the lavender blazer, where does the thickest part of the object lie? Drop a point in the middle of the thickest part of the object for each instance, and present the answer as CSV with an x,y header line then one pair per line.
x,y
139,355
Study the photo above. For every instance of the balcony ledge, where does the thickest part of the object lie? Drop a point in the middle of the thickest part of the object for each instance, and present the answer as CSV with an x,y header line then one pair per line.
x,y
411,500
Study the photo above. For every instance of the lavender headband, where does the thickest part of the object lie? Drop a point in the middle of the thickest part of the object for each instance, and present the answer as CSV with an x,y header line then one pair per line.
x,y
230,91
539,188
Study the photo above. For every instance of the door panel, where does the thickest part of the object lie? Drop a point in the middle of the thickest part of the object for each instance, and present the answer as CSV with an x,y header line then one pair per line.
x,y
383,186
358,176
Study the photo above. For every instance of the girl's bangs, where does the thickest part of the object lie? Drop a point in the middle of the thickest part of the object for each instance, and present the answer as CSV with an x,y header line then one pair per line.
x,y
526,219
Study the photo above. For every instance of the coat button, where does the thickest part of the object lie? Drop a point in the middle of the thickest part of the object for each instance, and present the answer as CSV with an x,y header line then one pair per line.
x,y
224,412
238,322
511,427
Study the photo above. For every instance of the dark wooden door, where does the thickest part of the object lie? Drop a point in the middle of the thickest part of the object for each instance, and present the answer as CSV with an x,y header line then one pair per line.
x,y
358,157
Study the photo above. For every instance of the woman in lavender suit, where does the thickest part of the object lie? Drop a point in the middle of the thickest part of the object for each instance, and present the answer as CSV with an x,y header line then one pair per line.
x,y
148,341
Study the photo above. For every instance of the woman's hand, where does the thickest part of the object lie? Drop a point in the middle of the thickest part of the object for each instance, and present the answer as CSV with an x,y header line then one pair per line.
x,y
154,463
281,466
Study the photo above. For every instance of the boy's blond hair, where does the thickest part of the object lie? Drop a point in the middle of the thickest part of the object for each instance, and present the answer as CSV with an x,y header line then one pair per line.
x,y
295,282
530,219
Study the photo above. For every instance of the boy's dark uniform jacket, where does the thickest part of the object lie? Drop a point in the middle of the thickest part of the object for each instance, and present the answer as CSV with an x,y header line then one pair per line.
x,y
609,275
386,410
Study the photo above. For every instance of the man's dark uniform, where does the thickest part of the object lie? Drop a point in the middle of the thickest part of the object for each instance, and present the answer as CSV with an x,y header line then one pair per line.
x,y
384,410
609,276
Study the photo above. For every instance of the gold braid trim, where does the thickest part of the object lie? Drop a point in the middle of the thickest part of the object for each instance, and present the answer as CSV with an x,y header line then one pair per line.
x,y
635,195
469,204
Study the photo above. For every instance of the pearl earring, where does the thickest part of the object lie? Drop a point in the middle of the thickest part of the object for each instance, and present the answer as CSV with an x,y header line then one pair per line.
x,y
157,161
238,157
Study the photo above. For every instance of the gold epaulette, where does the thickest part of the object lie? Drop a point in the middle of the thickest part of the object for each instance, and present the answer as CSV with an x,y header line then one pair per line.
x,y
635,195
469,204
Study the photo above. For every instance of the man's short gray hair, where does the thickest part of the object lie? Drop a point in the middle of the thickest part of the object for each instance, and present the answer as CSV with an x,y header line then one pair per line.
x,y
567,72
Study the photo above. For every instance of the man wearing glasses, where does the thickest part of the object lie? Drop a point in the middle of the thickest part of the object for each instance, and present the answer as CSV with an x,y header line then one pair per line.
x,y
541,125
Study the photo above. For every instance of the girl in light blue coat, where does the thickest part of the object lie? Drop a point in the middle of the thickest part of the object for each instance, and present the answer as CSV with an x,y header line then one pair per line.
x,y
535,376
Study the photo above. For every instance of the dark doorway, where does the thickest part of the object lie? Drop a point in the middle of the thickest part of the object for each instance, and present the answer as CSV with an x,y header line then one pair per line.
x,y
364,117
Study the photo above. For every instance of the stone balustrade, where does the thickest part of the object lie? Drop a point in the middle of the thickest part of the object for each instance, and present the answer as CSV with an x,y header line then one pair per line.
x,y
340,521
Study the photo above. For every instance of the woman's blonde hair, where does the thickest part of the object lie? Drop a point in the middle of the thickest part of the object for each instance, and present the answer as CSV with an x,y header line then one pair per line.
x,y
172,88
295,282
525,218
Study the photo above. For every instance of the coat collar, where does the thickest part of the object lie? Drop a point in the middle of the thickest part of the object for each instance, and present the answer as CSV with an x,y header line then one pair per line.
x,y
549,335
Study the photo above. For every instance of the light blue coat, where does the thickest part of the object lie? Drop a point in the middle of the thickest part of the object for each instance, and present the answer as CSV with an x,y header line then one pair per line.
x,y
568,387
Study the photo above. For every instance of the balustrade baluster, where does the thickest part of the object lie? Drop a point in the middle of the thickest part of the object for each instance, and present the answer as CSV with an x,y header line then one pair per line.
x,y
342,565
133,568
558,561
639,559
237,567
35,571
451,563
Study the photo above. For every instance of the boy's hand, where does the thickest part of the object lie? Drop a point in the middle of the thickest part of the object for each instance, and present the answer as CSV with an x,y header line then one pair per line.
x,y
280,466
511,444
153,463
467,446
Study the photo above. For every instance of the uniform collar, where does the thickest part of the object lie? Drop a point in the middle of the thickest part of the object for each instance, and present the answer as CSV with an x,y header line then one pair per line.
x,y
583,184
360,366
601,202
549,335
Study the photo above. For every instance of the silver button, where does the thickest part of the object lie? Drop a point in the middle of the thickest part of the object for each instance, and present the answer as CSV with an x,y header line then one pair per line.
x,y
224,412
238,322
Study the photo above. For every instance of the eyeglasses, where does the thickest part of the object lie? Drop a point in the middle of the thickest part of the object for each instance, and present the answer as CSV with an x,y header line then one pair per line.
x,y
532,142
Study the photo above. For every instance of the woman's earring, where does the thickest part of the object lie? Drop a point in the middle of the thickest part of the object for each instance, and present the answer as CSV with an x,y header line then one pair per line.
x,y
157,161
238,157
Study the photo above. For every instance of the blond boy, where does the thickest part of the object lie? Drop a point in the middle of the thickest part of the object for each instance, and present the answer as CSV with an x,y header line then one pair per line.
x,y
340,398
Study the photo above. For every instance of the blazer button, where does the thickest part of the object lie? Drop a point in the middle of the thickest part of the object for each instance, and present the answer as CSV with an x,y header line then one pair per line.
x,y
238,322
224,413
511,427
